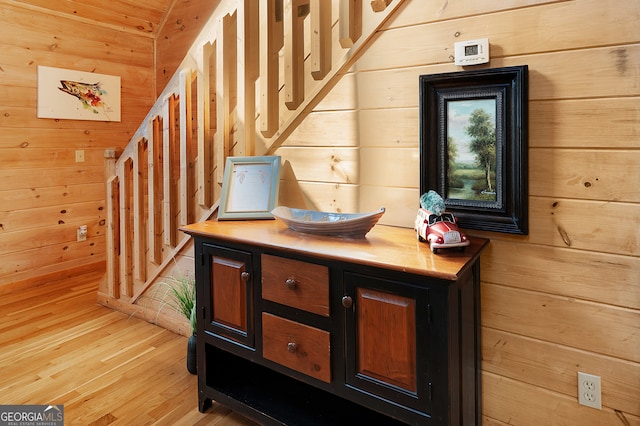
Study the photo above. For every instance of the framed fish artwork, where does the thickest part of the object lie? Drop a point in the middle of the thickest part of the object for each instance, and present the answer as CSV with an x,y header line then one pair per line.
x,y
77,95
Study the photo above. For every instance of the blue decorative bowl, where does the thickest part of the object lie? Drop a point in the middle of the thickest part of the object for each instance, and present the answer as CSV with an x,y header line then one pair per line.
x,y
349,225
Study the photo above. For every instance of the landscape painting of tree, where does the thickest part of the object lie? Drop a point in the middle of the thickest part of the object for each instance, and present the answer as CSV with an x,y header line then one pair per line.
x,y
471,149
473,145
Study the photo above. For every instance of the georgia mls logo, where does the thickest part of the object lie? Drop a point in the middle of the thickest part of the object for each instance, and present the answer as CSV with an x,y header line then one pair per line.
x,y
55,409
31,415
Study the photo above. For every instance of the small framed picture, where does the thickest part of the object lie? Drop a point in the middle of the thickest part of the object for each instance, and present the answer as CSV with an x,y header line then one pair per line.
x,y
77,95
473,146
249,188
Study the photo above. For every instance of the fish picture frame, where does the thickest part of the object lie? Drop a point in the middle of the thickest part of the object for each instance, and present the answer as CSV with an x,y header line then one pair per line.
x,y
77,95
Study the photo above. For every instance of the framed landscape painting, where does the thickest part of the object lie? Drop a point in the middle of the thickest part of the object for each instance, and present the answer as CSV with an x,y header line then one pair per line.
x,y
473,146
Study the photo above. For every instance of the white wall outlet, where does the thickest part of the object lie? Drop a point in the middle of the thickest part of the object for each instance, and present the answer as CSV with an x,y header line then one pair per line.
x,y
82,233
589,391
79,155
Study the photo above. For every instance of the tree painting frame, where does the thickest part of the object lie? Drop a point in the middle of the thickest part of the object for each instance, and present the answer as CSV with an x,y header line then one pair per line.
x,y
473,146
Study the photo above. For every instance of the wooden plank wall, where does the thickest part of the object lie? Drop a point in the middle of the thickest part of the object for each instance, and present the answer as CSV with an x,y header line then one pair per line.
x,y
45,195
565,298
553,303
182,24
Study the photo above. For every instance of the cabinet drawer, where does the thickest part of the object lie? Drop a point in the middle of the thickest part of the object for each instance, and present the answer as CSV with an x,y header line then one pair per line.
x,y
294,283
297,346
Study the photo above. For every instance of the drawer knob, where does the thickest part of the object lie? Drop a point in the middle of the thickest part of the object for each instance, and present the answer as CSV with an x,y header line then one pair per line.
x,y
244,276
292,347
291,283
347,302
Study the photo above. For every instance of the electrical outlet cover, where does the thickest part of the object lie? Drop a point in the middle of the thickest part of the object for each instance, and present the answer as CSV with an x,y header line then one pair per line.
x,y
589,391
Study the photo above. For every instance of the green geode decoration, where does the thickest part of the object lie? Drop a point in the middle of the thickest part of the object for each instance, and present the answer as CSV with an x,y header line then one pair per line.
x,y
433,202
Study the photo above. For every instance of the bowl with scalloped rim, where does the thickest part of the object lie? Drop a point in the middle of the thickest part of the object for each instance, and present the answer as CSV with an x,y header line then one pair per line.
x,y
349,225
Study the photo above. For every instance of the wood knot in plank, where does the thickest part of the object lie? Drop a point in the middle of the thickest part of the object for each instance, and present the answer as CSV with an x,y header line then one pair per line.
x,y
622,59
564,235
379,5
590,183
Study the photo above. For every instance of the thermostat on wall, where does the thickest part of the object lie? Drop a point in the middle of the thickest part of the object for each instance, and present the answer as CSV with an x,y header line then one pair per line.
x,y
472,52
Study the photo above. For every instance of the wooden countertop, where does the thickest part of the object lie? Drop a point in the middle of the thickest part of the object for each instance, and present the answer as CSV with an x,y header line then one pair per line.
x,y
384,246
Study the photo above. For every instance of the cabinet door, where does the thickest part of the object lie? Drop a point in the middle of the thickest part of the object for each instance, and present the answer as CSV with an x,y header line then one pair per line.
x,y
386,334
228,293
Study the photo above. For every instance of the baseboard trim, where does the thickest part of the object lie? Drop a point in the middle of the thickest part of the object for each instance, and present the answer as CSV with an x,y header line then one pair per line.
x,y
172,323
39,280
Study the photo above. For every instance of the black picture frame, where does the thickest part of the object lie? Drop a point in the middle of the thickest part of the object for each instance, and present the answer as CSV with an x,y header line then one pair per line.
x,y
456,122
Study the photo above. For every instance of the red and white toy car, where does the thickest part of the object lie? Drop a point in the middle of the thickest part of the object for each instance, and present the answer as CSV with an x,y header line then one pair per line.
x,y
440,231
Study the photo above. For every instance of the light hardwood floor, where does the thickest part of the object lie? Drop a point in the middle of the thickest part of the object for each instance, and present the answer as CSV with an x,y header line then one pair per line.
x,y
58,346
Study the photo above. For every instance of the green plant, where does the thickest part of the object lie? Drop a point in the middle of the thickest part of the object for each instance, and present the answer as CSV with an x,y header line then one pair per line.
x,y
181,294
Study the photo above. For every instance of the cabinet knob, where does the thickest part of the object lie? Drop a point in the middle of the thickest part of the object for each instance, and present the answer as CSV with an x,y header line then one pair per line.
x,y
291,283
347,302
292,347
244,276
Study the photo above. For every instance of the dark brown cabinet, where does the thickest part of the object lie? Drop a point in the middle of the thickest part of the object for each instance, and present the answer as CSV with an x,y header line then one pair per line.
x,y
387,333
301,329
226,304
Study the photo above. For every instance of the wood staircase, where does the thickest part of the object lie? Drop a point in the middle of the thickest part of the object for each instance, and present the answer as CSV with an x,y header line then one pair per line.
x,y
255,72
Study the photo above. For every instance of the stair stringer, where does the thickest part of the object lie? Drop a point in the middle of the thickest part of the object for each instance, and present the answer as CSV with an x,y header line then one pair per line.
x,y
234,94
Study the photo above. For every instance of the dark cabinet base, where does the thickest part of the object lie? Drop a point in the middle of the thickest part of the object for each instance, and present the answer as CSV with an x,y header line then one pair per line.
x,y
303,330
271,398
